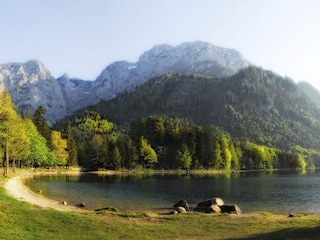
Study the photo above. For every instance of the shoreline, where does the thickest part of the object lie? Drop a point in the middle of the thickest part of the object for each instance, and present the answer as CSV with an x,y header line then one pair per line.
x,y
16,189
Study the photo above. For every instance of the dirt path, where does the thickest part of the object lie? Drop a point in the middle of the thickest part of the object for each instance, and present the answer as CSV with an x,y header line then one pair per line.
x,y
18,190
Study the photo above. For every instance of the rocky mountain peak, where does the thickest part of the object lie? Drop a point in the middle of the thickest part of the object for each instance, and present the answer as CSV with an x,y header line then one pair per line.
x,y
190,57
196,52
31,84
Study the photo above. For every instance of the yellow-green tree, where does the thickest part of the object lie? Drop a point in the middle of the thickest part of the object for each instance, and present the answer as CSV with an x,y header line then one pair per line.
x,y
39,151
59,146
184,157
225,151
147,153
19,142
9,129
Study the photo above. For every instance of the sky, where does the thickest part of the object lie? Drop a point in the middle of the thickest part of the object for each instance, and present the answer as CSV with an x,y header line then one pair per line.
x,y
82,37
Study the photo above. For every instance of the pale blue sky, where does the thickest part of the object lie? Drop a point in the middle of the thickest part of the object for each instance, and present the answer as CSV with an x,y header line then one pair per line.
x,y
81,37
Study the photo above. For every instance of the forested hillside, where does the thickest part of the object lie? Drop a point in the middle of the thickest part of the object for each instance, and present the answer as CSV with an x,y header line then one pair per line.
x,y
252,120
254,104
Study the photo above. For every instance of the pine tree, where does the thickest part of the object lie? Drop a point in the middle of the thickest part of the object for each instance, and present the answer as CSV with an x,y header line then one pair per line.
x,y
41,123
72,147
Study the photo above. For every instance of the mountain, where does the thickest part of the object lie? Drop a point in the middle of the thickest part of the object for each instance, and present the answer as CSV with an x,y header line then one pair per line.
x,y
30,85
192,57
310,91
75,92
252,104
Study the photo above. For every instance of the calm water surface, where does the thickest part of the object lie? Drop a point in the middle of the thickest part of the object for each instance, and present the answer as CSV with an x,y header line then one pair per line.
x,y
278,192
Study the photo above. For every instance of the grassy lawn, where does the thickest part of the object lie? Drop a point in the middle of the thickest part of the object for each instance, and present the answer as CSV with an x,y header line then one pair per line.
x,y
20,220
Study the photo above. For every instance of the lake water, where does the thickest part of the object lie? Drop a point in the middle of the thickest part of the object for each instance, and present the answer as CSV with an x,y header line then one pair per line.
x,y
279,192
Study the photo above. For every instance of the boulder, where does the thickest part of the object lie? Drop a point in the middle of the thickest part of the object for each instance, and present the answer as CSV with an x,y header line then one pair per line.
x,y
176,210
203,206
230,209
218,201
180,209
182,203
213,209
173,212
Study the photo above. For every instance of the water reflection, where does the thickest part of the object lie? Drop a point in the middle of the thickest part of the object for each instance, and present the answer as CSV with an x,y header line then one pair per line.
x,y
278,191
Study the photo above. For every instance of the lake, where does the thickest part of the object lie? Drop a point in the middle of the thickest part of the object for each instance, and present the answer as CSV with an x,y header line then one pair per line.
x,y
278,191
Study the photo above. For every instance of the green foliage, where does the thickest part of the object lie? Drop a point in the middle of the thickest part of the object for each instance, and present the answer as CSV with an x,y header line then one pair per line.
x,y
184,157
71,147
147,154
251,120
258,157
39,151
96,126
21,141
41,123
8,118
253,104
59,145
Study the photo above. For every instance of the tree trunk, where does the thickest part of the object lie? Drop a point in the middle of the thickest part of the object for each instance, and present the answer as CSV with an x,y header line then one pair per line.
x,y
6,169
14,165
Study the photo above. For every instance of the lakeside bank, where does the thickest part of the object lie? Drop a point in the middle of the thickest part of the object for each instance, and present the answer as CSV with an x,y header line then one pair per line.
x,y
19,220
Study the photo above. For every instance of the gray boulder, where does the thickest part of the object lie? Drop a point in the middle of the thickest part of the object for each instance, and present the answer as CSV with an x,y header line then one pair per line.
x,y
182,203
230,209
213,209
205,205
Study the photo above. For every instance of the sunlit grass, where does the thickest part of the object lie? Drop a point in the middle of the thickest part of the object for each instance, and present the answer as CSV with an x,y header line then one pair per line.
x,y
20,220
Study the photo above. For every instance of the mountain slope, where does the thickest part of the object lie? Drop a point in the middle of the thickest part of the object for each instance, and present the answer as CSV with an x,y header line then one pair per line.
x,y
253,104
30,85
310,91
191,57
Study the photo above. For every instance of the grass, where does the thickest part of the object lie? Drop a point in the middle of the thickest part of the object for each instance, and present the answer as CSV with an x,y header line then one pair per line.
x,y
20,220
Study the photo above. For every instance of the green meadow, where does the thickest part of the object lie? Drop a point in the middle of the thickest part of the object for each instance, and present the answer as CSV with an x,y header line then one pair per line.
x,y
21,220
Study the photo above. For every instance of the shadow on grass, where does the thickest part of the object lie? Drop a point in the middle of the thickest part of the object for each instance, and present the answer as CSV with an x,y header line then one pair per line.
x,y
290,233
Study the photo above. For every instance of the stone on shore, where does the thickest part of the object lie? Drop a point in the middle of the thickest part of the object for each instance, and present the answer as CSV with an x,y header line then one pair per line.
x,y
182,203
230,209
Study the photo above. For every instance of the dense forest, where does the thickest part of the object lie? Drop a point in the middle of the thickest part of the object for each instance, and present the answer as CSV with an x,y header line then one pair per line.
x,y
252,120
162,142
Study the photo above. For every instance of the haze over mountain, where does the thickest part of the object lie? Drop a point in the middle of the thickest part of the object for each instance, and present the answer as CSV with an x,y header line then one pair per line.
x,y
253,104
31,84
310,91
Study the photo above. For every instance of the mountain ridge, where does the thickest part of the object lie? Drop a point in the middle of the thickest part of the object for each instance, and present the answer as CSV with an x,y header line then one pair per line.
x,y
64,95
31,85
254,104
